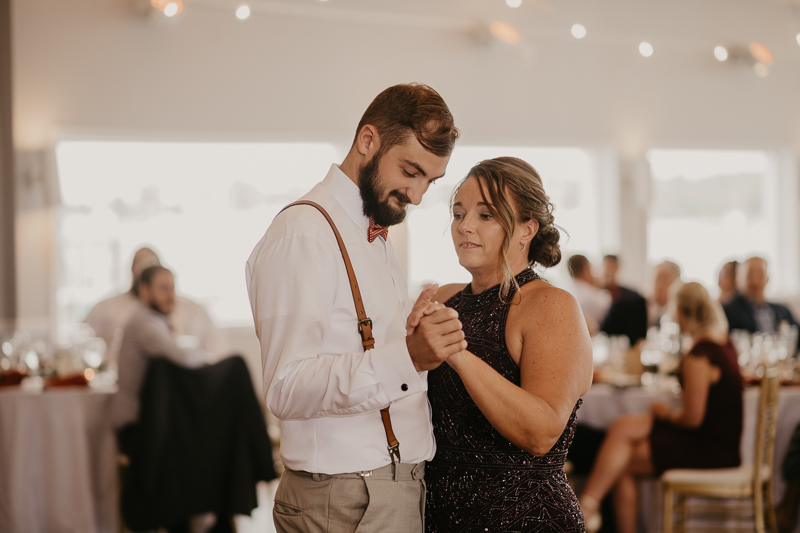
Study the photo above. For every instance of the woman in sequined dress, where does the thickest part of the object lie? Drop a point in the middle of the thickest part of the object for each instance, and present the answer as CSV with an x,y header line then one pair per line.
x,y
504,410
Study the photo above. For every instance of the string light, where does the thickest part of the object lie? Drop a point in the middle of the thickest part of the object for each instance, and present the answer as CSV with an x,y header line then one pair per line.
x,y
798,38
513,3
578,31
646,49
761,53
173,8
243,12
721,53
505,32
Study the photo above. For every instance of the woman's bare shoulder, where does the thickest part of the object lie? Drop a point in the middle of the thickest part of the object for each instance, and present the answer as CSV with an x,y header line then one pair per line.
x,y
446,292
541,295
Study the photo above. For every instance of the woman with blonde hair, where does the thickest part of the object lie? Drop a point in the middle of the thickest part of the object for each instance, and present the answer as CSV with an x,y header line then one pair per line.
x,y
504,409
704,433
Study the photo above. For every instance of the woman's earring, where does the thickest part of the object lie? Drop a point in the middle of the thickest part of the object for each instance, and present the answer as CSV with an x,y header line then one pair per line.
x,y
523,246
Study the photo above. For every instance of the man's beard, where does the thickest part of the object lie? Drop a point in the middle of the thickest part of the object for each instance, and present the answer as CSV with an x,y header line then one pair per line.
x,y
382,212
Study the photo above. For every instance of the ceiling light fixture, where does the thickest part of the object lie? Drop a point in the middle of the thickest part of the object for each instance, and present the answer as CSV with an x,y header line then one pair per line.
x,y
173,8
798,38
761,53
646,49
513,3
505,32
721,53
243,12
578,31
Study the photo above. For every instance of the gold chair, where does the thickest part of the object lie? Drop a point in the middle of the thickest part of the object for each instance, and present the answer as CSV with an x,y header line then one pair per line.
x,y
747,481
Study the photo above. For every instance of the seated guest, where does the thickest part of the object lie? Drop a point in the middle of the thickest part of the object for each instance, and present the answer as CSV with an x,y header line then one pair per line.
x,y
610,283
109,317
628,312
667,273
727,282
147,335
172,422
594,301
749,310
704,433
786,511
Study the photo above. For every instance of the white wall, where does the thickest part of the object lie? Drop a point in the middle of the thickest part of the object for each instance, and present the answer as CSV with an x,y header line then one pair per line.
x,y
306,70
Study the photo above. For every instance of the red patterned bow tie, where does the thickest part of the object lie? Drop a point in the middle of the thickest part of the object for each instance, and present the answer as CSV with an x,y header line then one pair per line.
x,y
375,230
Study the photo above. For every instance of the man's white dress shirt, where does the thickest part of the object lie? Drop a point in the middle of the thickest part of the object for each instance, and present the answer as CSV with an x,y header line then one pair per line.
x,y
317,378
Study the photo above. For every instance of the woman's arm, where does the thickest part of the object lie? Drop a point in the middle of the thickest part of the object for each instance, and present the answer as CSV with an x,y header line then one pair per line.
x,y
698,374
555,366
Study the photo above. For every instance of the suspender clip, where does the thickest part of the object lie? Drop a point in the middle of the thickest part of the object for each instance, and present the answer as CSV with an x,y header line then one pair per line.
x,y
394,453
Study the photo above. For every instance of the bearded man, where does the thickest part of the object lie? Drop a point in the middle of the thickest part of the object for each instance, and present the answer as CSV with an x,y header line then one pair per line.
x,y
318,379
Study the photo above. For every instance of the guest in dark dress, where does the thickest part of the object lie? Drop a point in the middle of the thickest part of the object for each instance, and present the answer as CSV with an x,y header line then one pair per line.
x,y
704,433
504,410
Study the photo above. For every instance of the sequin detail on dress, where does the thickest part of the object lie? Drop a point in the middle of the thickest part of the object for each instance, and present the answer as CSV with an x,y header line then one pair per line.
x,y
479,481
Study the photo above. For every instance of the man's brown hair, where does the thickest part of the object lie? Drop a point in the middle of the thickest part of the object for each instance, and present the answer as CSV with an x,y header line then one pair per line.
x,y
412,108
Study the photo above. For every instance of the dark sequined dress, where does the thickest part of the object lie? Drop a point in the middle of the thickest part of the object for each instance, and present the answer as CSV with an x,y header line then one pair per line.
x,y
479,481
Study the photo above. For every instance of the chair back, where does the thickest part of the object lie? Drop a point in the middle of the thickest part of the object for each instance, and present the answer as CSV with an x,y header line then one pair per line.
x,y
766,427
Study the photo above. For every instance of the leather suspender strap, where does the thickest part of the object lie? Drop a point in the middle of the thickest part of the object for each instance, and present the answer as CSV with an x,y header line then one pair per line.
x,y
364,322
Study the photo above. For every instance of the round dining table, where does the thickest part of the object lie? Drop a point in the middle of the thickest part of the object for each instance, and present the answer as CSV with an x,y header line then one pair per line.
x,y
58,466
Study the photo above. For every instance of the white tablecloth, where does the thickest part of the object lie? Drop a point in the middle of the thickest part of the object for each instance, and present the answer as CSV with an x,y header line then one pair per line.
x,y
603,404
57,462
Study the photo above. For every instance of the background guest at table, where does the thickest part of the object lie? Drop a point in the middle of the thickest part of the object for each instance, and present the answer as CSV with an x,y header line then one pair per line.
x,y
727,282
148,334
108,317
628,312
593,300
180,411
704,433
750,310
667,273
611,266
786,511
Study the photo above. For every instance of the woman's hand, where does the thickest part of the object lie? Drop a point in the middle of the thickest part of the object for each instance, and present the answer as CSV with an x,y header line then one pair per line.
x,y
422,307
659,410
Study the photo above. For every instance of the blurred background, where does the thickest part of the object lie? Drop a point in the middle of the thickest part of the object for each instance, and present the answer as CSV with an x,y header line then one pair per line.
x,y
662,130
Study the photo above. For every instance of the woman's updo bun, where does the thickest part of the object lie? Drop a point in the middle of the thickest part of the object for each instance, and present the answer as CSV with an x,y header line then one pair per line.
x,y
545,249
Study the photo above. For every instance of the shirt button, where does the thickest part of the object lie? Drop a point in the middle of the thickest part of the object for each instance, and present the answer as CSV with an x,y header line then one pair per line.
x,y
404,387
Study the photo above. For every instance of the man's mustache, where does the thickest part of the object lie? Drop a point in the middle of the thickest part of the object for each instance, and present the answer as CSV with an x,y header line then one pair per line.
x,y
401,197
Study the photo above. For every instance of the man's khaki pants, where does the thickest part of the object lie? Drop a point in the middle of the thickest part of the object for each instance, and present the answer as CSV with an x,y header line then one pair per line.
x,y
364,502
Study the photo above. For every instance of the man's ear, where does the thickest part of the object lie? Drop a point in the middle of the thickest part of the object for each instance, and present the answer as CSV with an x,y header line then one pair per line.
x,y
367,140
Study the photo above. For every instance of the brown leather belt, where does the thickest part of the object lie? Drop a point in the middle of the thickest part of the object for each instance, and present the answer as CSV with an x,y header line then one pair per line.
x,y
364,322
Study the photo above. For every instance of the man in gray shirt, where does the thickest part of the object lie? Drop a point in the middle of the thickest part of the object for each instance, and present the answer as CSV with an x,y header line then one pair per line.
x,y
148,334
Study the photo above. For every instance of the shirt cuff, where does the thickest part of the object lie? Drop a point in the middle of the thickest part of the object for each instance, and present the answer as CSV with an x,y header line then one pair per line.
x,y
396,372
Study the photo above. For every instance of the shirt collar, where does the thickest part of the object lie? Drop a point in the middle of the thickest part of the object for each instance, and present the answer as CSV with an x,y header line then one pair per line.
x,y
347,194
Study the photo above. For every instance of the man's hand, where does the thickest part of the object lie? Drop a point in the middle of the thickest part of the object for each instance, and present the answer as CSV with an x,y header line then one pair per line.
x,y
422,307
436,337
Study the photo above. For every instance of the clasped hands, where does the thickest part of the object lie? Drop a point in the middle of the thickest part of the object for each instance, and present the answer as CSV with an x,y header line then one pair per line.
x,y
433,332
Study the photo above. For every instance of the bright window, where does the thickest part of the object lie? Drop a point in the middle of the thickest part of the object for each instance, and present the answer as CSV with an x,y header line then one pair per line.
x,y
201,206
712,206
569,180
